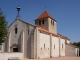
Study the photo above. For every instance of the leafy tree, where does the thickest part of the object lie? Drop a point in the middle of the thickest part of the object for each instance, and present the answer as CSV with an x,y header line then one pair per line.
x,y
3,27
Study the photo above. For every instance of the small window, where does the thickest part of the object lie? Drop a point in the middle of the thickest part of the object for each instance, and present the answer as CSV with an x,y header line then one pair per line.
x,y
53,22
28,32
43,21
39,22
16,30
54,46
44,45
35,22
62,46
41,48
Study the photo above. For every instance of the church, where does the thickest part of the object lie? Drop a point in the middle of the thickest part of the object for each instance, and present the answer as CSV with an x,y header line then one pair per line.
x,y
39,40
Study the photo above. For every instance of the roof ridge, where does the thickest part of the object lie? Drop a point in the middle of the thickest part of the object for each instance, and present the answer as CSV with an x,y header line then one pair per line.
x,y
44,15
72,45
47,14
28,23
41,28
58,35
22,21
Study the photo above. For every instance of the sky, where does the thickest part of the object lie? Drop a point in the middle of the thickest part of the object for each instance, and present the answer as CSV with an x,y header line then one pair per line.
x,y
65,12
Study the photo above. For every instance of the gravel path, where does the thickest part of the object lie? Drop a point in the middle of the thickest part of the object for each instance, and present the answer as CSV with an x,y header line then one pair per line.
x,y
59,58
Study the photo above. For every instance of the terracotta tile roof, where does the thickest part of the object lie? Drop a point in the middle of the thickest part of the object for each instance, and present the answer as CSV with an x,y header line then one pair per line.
x,y
72,45
46,31
63,36
57,35
45,14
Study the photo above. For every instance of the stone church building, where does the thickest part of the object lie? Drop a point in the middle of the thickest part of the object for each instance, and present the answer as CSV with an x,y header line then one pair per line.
x,y
39,40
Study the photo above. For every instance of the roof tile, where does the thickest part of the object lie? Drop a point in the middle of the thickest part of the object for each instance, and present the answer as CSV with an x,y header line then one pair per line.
x,y
72,45
45,14
57,35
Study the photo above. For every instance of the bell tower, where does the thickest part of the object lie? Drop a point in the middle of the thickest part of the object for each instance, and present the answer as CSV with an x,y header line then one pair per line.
x,y
47,22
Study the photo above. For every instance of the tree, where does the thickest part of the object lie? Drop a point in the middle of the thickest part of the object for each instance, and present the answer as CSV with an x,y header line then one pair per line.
x,y
3,27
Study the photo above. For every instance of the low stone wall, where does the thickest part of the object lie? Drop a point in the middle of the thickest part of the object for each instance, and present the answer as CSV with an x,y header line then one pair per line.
x,y
6,56
70,50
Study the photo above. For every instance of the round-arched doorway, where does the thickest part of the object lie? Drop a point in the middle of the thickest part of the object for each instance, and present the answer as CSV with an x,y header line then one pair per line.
x,y
15,48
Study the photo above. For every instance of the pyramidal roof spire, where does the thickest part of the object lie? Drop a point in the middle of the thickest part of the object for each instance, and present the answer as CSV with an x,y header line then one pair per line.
x,y
45,14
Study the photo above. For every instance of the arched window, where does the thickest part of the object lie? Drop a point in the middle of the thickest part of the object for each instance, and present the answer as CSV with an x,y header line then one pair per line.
x,y
28,32
16,30
41,48
44,45
62,46
51,21
35,22
43,21
39,22
54,46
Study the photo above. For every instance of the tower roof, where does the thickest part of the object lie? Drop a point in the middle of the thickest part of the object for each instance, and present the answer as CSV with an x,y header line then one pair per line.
x,y
45,14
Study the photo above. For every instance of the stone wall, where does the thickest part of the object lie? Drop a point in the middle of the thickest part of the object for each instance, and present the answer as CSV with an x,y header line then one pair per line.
x,y
62,47
15,38
27,47
6,56
44,45
45,25
55,47
28,39
77,51
52,26
68,41
48,25
49,45
70,50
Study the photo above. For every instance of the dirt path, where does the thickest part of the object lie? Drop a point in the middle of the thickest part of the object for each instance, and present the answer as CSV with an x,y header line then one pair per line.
x,y
59,58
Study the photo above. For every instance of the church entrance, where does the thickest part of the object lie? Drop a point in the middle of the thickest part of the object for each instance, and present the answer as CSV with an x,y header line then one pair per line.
x,y
15,49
